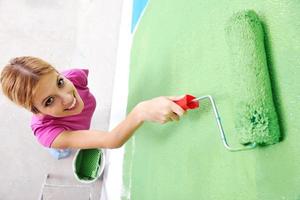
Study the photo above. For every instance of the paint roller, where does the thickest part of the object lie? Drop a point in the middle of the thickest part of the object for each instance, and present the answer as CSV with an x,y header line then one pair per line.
x,y
255,117
255,114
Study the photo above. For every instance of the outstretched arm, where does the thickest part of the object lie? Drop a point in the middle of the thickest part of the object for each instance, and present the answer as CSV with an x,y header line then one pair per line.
x,y
160,110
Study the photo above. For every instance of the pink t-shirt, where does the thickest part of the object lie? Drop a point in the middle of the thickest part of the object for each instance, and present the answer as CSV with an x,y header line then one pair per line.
x,y
47,128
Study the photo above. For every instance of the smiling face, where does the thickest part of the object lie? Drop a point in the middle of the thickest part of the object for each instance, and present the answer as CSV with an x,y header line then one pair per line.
x,y
56,96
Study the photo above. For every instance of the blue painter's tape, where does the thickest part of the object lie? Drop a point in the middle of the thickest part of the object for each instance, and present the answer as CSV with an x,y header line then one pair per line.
x,y
138,7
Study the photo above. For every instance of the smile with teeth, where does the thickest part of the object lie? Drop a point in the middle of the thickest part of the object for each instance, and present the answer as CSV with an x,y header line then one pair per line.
x,y
73,104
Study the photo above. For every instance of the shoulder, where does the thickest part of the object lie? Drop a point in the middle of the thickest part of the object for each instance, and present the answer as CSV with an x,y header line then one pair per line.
x,y
79,77
46,130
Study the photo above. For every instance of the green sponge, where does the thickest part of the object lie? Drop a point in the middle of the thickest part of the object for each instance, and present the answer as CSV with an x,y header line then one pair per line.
x,y
87,164
255,115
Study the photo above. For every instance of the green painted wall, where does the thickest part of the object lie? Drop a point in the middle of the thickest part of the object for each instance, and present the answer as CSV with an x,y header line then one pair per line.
x,y
180,48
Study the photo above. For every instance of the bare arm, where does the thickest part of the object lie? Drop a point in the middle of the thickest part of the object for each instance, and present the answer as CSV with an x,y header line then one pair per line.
x,y
100,139
160,110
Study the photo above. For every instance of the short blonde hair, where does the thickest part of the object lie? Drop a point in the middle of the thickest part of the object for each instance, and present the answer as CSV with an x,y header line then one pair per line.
x,y
20,77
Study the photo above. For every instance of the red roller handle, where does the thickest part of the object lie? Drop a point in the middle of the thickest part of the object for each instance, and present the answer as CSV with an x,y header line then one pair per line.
x,y
187,102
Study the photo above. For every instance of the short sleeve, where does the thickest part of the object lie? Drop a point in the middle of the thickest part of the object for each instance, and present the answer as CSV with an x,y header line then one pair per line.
x,y
47,134
79,77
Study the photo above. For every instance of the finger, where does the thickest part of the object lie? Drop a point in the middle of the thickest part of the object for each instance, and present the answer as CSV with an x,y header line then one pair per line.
x,y
165,120
173,117
177,109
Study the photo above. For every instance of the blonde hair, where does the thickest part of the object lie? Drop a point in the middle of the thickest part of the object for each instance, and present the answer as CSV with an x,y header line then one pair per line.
x,y
20,77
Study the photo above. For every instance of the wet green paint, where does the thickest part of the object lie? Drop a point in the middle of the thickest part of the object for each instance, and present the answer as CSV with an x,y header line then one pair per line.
x,y
180,48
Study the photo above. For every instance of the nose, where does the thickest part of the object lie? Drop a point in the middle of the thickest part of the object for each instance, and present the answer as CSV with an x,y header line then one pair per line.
x,y
67,98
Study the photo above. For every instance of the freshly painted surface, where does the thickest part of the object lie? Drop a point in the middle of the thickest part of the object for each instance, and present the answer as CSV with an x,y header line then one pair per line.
x,y
180,47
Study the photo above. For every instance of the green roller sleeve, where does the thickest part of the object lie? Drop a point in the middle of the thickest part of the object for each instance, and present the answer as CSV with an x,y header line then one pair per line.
x,y
255,114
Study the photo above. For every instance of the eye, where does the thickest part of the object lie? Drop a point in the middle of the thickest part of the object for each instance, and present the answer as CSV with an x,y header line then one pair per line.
x,y
60,82
49,101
